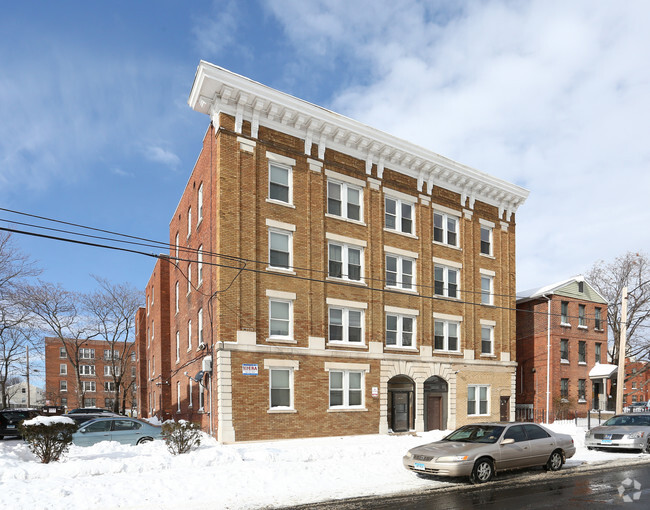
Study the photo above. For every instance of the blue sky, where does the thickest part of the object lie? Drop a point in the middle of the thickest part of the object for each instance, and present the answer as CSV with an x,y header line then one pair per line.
x,y
554,96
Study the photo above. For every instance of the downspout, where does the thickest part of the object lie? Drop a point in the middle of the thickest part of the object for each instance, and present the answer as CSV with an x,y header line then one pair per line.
x,y
548,356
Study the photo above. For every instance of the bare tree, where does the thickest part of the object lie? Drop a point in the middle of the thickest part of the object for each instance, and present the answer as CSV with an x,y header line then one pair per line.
x,y
61,312
631,270
15,266
112,309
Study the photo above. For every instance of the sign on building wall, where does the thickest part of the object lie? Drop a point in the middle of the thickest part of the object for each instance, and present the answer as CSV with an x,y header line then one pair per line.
x,y
249,368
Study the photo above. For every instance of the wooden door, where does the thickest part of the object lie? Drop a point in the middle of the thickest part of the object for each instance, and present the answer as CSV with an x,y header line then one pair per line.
x,y
505,408
434,412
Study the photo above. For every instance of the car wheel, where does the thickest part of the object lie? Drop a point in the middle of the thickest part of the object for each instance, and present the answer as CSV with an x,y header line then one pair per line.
x,y
646,447
143,440
554,461
483,471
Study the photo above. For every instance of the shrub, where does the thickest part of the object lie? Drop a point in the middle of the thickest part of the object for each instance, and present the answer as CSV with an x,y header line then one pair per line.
x,y
181,436
48,437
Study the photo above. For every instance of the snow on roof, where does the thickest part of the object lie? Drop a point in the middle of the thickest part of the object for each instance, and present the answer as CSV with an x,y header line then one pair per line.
x,y
548,289
48,420
601,370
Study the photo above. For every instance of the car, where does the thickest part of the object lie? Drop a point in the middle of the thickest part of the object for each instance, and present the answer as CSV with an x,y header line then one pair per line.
x,y
81,418
480,450
636,407
90,410
627,431
122,429
11,418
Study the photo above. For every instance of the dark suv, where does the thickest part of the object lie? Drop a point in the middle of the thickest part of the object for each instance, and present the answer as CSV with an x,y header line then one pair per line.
x,y
84,414
11,418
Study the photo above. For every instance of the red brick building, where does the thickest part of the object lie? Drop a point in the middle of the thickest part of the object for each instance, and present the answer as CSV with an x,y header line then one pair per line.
x,y
97,363
637,382
326,278
561,337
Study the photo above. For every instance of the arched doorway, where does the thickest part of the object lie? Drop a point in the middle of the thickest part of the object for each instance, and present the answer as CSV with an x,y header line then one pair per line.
x,y
435,403
401,404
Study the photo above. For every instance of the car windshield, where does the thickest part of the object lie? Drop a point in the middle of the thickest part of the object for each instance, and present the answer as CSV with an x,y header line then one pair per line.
x,y
628,420
476,434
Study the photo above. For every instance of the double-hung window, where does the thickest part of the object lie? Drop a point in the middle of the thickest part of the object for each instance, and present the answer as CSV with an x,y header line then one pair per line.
x,y
178,346
400,269
564,388
189,277
346,388
400,330
564,313
281,375
346,324
86,369
399,215
200,327
63,369
189,221
487,228
176,297
446,280
446,335
597,319
280,323
280,183
582,351
109,386
280,244
582,390
564,350
582,319
478,400
199,268
487,337
445,228
62,353
344,200
200,205
345,261
87,353
63,385
487,287
189,334
88,386
597,355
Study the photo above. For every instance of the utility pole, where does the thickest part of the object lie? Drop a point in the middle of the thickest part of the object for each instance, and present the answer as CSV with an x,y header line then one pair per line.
x,y
620,377
27,375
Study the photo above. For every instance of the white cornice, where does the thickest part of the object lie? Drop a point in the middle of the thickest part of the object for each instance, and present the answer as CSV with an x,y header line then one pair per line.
x,y
218,90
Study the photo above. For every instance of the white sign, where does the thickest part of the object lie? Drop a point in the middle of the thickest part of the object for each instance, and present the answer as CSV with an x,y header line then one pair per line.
x,y
375,391
249,369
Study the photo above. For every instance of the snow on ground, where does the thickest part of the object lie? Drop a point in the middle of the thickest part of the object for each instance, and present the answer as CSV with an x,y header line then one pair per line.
x,y
242,476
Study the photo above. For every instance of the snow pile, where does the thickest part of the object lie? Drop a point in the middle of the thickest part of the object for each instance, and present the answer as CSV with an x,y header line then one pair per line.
x,y
241,476
48,420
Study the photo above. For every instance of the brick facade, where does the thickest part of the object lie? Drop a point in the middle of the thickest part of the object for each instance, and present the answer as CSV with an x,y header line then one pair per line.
x,y
222,275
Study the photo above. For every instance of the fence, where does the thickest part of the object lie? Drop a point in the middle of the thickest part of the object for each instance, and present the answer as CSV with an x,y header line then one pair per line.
x,y
580,418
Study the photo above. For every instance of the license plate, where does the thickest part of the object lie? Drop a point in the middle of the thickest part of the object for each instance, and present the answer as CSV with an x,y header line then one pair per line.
x,y
606,441
11,426
419,465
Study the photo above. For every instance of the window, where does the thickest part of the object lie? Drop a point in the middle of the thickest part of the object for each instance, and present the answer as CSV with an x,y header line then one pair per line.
x,y
86,369
200,324
189,334
582,390
581,287
178,346
280,319
64,402
564,312
189,392
280,249
112,354
399,215
109,386
477,400
63,385
199,271
281,388
487,339
91,402
62,353
487,289
88,386
400,272
189,222
345,261
597,353
177,244
597,318
582,352
176,296
564,388
445,228
486,240
344,200
109,370
346,325
582,320
201,397
564,350
446,281
178,397
634,386
400,330
279,183
346,388
86,353
200,205
446,335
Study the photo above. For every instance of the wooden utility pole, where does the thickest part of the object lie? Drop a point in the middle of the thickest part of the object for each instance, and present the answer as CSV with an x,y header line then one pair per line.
x,y
620,377
27,375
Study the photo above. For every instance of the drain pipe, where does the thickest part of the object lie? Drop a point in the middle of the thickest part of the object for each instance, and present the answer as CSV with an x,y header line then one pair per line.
x,y
548,357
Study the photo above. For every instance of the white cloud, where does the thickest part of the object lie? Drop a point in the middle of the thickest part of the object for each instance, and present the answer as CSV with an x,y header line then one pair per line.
x,y
163,156
214,30
550,95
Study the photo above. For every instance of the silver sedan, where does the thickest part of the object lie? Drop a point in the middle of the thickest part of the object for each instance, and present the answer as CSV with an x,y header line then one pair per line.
x,y
479,451
629,431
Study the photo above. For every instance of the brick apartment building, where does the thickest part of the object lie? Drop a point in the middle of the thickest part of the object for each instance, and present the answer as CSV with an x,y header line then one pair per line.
x,y
637,382
97,363
574,348
326,278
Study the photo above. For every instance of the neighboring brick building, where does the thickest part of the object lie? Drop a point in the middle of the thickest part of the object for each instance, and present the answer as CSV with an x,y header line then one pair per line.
x,y
329,279
637,382
576,342
96,366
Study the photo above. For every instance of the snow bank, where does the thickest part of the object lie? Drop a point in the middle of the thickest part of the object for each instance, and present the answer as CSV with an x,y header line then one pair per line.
x,y
48,420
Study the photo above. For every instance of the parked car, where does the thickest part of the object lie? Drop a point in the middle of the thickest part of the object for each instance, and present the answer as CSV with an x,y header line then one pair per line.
x,y
11,418
629,431
90,410
636,407
118,428
81,418
481,450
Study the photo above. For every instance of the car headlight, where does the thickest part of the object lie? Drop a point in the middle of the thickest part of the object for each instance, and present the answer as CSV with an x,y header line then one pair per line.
x,y
409,455
454,458
635,435
588,434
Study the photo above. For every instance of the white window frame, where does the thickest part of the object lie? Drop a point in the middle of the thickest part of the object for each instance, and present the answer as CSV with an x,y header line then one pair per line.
x,y
486,226
444,229
176,291
289,170
345,389
189,221
399,276
178,346
63,385
445,324
289,320
199,261
399,217
345,325
87,370
199,204
177,244
86,353
199,321
290,370
88,387
477,401
189,392
62,353
109,386
189,334
345,261
344,188
201,397
489,328
289,235
446,270
178,396
487,298
399,331
189,277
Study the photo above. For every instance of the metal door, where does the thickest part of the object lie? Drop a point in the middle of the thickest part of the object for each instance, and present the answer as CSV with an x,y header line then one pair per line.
x,y
400,411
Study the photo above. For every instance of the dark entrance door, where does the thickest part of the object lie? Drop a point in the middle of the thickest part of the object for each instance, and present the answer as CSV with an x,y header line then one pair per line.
x,y
434,412
400,411
505,408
